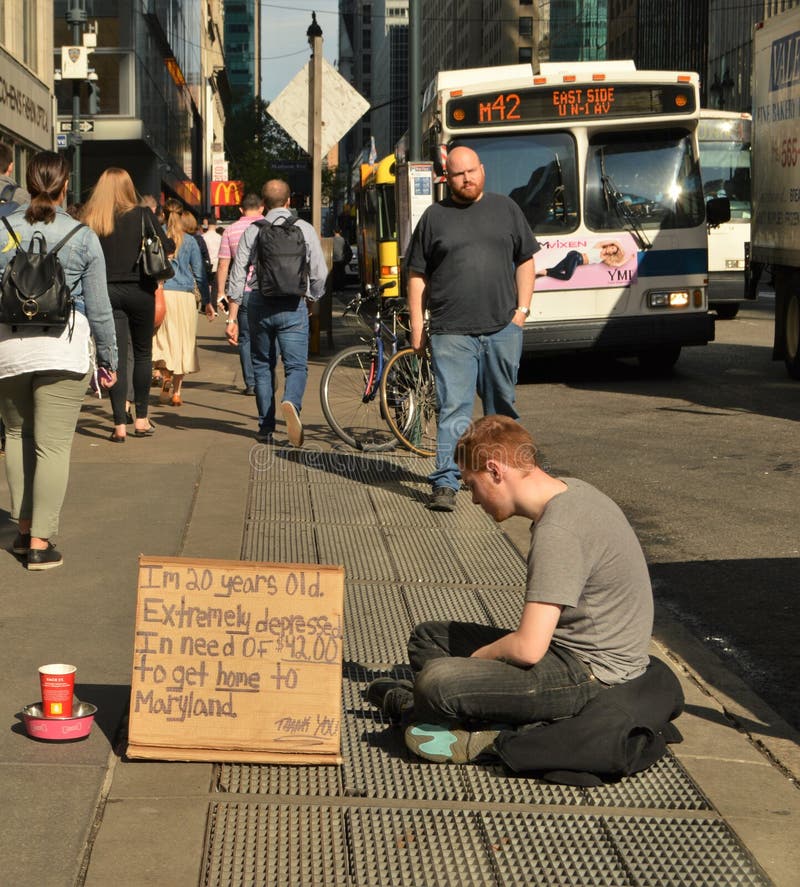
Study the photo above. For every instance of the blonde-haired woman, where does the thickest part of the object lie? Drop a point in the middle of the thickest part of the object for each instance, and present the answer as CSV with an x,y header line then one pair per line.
x,y
175,343
113,212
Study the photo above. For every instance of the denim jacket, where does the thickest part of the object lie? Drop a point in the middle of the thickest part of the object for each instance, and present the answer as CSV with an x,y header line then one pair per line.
x,y
189,267
84,268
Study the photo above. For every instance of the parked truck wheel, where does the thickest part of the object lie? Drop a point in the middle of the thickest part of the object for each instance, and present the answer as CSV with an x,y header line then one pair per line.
x,y
726,310
792,335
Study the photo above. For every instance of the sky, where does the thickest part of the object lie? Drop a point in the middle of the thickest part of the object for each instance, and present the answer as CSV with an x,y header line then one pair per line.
x,y
284,45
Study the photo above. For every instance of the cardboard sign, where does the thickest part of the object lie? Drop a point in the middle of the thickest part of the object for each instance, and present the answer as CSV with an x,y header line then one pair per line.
x,y
237,661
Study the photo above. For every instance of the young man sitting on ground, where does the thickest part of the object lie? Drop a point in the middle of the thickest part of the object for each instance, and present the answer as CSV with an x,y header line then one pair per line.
x,y
585,625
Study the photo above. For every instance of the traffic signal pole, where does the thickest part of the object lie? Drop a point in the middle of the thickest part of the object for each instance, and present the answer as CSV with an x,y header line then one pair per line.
x,y
76,17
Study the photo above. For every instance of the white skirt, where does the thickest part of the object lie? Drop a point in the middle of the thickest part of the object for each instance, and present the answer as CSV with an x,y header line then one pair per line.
x,y
175,341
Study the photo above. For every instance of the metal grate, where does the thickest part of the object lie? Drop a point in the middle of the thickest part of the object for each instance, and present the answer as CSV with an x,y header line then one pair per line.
x,y
270,779
279,502
419,847
274,542
377,624
343,504
423,555
460,604
262,845
360,549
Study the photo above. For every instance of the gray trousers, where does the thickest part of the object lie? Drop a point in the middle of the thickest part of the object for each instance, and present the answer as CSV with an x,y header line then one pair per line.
x,y
40,411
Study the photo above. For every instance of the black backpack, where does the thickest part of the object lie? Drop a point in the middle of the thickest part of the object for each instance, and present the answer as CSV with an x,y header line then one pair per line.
x,y
33,290
281,261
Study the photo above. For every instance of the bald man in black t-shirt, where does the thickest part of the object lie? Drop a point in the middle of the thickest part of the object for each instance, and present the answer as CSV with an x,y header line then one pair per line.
x,y
471,266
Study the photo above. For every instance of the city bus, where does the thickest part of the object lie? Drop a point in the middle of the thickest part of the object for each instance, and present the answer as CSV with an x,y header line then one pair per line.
x,y
725,138
603,161
376,219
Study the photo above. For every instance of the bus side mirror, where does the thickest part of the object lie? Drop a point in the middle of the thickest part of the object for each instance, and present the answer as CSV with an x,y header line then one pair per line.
x,y
436,160
718,211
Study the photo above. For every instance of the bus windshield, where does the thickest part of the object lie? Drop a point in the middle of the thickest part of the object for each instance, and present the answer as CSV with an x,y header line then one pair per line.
x,y
653,175
537,171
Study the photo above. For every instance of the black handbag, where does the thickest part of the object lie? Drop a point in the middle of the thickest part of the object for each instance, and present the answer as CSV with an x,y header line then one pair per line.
x,y
153,259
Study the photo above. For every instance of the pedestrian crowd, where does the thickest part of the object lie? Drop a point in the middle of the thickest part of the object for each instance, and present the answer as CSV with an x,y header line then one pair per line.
x,y
128,323
478,691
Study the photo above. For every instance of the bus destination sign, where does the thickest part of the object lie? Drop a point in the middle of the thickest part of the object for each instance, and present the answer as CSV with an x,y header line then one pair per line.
x,y
551,104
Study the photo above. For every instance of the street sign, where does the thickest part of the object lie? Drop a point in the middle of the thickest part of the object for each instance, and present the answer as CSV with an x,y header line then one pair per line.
x,y
342,107
85,126
61,140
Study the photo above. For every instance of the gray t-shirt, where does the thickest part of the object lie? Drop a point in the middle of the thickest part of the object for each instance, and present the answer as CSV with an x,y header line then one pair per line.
x,y
585,556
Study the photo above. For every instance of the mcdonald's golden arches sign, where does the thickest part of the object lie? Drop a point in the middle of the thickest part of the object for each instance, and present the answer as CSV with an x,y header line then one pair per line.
x,y
226,193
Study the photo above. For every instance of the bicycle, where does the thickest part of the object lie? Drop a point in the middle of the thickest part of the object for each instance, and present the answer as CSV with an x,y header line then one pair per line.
x,y
408,397
350,386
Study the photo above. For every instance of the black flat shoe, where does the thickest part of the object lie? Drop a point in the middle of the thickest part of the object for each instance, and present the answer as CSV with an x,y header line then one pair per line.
x,y
115,439
44,559
147,431
22,543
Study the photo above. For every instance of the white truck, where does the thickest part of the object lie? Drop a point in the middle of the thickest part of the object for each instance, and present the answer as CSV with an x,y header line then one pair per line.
x,y
775,238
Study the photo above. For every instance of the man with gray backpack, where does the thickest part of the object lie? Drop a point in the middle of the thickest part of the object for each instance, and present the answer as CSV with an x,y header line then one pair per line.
x,y
290,271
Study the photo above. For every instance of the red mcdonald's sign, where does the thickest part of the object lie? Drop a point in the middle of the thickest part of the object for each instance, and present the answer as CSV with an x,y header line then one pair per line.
x,y
226,193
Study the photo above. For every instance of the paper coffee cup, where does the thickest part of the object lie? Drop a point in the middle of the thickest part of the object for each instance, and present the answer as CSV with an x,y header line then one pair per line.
x,y
58,687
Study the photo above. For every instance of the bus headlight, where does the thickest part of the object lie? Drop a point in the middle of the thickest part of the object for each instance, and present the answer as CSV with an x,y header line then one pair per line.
x,y
668,298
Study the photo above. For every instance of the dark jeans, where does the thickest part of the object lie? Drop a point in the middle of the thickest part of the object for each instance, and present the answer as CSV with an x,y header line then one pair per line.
x,y
564,269
451,688
134,312
245,358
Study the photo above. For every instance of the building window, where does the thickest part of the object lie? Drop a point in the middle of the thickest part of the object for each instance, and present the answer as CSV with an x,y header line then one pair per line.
x,y
526,2
525,55
526,26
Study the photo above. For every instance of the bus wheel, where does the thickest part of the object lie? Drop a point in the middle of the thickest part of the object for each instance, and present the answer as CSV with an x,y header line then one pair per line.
x,y
792,335
660,359
726,310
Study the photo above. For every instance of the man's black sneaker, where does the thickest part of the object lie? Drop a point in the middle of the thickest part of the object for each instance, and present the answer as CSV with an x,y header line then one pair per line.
x,y
45,558
392,696
264,437
442,499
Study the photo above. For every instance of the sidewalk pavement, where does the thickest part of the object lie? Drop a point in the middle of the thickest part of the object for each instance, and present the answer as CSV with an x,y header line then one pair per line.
x,y
724,807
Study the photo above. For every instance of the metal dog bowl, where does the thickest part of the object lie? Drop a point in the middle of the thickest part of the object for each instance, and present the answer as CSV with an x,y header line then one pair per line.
x,y
78,726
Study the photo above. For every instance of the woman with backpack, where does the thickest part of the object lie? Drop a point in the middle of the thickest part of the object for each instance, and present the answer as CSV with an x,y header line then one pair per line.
x,y
175,342
45,371
114,213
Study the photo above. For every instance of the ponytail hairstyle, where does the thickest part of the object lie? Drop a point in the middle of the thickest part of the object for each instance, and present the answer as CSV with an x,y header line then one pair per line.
x,y
174,211
45,178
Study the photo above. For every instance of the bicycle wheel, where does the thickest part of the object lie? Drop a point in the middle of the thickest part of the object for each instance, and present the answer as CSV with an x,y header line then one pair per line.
x,y
350,400
408,395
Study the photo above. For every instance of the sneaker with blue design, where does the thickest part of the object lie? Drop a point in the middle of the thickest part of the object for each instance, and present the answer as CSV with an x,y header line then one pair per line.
x,y
449,745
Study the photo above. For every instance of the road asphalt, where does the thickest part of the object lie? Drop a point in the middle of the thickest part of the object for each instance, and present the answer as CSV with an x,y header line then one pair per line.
x,y
82,813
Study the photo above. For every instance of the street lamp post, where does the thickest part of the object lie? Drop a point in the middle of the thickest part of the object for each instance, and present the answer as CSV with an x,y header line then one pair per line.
x,y
76,17
314,34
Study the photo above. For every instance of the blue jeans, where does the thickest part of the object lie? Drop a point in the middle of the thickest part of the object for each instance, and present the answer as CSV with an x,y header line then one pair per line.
x,y
452,688
278,324
245,359
463,365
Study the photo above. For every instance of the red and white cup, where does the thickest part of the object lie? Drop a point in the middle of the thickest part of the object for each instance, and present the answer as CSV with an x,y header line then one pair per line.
x,y
58,687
